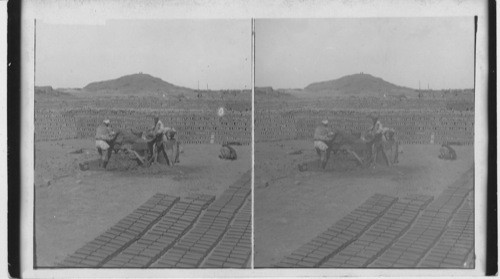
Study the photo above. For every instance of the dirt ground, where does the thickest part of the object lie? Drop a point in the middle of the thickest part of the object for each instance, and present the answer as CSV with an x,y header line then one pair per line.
x,y
73,206
292,206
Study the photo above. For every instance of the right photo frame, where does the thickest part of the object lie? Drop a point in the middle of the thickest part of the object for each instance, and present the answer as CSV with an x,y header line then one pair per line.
x,y
364,143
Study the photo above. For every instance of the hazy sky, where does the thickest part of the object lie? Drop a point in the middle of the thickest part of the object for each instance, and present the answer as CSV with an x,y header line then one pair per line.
x,y
292,53
217,52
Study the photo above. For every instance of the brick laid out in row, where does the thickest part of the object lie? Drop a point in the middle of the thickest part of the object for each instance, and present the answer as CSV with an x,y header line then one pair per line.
x,y
234,250
457,243
408,250
379,237
163,235
341,234
193,247
118,237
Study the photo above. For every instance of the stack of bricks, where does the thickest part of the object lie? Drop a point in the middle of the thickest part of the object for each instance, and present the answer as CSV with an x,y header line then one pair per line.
x,y
411,126
190,251
196,231
193,127
168,230
125,232
235,247
340,235
384,232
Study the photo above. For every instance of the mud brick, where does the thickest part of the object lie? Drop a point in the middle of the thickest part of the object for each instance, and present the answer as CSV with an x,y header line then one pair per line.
x,y
306,264
199,249
297,257
84,252
104,238
149,253
435,258
220,253
312,259
319,254
137,263
135,230
120,239
91,246
416,250
172,257
95,258
190,262
237,261
410,256
240,256
330,264
231,265
184,265
389,258
107,249
88,262
405,263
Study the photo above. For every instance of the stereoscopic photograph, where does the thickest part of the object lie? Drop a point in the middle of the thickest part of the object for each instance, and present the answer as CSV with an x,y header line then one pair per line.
x,y
143,144
364,143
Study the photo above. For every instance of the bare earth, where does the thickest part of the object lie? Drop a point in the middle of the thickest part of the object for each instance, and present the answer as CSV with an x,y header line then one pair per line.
x,y
72,206
292,207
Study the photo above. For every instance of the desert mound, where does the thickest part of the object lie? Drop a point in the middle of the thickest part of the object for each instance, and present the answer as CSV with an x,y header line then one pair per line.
x,y
360,85
137,84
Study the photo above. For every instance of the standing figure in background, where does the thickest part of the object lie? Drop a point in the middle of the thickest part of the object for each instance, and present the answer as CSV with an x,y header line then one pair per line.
x,y
377,137
155,138
323,135
103,137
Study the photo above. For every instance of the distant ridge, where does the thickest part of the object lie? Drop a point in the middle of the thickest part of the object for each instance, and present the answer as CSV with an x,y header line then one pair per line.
x,y
48,91
137,84
360,85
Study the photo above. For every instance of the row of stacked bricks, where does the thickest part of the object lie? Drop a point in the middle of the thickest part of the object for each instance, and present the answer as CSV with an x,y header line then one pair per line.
x,y
118,237
380,235
194,246
235,247
456,246
412,127
340,235
192,126
428,229
167,231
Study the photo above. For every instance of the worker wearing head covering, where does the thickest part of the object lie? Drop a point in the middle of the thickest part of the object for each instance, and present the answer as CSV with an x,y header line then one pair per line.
x,y
322,136
158,128
104,135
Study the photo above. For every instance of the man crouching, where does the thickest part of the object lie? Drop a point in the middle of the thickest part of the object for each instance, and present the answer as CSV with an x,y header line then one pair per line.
x,y
104,135
322,136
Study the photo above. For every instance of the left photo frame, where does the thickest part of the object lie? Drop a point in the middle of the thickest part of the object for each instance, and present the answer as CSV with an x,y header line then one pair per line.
x,y
142,144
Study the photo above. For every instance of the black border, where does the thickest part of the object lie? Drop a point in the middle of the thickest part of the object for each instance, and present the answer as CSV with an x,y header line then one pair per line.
x,y
14,136
491,204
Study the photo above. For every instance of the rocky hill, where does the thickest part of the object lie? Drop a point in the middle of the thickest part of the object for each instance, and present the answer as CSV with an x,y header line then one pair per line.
x,y
358,85
138,85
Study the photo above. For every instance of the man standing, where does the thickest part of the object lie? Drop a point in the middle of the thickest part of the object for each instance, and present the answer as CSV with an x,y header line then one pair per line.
x,y
103,136
378,137
322,136
156,145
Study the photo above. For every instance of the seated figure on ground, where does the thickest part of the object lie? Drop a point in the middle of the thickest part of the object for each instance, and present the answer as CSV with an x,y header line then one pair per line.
x,y
446,152
227,152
